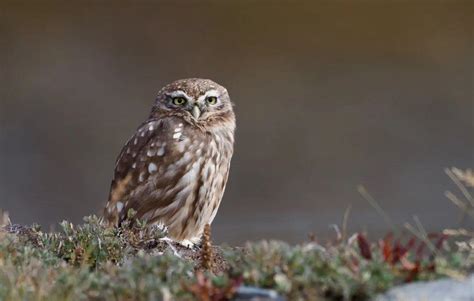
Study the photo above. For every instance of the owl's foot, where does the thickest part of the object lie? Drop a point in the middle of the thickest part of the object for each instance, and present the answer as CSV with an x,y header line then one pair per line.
x,y
187,243
194,243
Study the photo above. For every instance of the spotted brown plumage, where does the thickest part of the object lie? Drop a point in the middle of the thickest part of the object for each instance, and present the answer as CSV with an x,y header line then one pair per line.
x,y
174,169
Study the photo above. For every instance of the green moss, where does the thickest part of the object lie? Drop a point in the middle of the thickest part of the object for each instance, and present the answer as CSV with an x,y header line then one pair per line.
x,y
94,262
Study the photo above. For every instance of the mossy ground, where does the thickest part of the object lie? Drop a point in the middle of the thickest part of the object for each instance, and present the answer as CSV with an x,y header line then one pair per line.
x,y
94,262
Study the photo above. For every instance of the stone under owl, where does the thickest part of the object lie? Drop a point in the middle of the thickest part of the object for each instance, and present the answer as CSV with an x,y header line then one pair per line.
x,y
174,169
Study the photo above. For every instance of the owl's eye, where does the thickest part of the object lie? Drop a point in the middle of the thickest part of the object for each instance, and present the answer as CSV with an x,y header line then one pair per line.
x,y
179,101
212,100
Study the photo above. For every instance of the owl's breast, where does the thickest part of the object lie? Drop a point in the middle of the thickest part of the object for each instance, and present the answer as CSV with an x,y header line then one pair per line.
x,y
177,175
204,159
186,139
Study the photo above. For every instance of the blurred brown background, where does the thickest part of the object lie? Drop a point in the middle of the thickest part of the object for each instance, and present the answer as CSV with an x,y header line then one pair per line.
x,y
329,95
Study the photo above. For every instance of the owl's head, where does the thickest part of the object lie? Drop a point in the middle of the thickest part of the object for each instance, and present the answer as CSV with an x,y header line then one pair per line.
x,y
198,101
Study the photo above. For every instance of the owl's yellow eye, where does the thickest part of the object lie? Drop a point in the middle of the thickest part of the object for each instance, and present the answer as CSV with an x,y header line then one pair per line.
x,y
179,101
212,100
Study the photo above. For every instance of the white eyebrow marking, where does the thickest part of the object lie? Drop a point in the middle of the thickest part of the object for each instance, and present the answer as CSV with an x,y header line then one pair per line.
x,y
179,93
214,93
210,93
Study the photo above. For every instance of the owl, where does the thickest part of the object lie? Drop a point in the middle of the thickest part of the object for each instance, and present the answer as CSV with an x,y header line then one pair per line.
x,y
174,169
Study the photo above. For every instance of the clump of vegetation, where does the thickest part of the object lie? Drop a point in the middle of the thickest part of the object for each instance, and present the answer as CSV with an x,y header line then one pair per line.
x,y
355,269
95,262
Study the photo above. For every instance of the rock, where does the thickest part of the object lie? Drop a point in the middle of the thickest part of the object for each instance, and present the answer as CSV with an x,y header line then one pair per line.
x,y
438,290
247,293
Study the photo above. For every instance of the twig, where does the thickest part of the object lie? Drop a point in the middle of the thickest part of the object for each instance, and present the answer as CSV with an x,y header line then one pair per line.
x,y
421,233
461,187
465,208
361,189
345,220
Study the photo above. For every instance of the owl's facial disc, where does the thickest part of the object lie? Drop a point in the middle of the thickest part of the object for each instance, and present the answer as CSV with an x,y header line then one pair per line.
x,y
198,108
198,101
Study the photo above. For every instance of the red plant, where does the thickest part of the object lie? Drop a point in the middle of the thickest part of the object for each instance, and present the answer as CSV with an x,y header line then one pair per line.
x,y
364,247
409,258
204,290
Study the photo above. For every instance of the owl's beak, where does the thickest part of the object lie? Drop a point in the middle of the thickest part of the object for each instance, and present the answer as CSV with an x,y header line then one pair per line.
x,y
196,112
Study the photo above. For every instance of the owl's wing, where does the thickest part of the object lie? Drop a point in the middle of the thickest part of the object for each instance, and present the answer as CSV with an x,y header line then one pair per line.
x,y
144,171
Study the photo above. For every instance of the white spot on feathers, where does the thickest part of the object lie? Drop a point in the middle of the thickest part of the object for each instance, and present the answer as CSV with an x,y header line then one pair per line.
x,y
152,167
119,206
177,135
151,153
